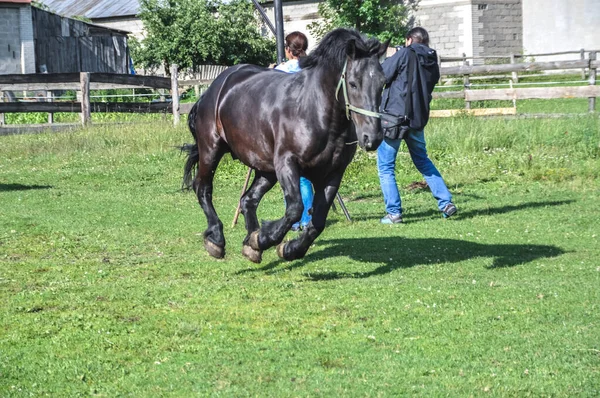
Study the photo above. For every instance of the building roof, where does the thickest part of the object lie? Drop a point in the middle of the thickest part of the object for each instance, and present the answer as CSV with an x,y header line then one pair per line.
x,y
93,9
16,1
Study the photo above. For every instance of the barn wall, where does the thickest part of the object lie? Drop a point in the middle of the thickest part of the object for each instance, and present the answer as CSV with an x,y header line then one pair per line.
x,y
10,41
67,45
16,40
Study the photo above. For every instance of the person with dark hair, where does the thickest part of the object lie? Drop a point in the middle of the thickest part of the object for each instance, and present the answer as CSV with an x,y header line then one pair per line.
x,y
296,44
411,74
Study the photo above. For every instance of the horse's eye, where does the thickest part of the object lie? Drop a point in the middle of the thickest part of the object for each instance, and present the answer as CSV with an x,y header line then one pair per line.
x,y
352,84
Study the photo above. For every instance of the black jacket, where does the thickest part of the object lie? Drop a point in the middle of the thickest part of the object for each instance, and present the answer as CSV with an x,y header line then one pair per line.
x,y
426,74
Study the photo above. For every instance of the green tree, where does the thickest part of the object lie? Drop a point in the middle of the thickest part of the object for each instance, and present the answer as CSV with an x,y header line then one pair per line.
x,y
196,32
384,19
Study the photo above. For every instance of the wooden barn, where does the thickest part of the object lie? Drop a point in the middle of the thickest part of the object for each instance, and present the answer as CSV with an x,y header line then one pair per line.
x,y
33,40
114,14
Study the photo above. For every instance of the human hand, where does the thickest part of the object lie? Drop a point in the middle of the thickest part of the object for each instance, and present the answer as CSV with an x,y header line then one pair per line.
x,y
390,51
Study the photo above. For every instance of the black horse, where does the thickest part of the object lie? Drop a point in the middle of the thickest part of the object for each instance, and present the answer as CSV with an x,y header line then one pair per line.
x,y
285,126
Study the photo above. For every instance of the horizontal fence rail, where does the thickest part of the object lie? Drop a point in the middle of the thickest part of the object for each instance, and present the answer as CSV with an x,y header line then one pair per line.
x,y
72,81
75,107
581,53
520,93
532,93
521,67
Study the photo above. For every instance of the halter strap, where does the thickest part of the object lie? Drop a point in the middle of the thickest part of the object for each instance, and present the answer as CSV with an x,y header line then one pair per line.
x,y
350,107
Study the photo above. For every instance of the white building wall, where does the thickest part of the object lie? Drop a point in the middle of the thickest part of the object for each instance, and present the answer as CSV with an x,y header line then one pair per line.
x,y
560,25
133,25
297,15
27,45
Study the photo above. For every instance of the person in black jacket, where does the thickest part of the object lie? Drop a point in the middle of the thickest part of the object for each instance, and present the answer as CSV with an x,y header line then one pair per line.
x,y
414,65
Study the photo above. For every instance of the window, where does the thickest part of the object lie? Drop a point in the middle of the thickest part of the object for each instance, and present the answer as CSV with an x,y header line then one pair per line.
x,y
482,7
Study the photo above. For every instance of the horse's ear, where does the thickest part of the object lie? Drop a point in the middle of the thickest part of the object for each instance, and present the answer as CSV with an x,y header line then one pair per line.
x,y
351,49
383,48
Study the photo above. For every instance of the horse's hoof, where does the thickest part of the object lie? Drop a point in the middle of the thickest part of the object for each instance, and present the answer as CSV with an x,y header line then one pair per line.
x,y
213,249
253,255
280,250
253,240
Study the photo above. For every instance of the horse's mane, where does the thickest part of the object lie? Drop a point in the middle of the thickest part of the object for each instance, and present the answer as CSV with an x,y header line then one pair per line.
x,y
332,49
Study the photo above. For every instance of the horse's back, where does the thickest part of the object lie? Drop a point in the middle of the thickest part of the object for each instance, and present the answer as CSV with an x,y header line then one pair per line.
x,y
203,115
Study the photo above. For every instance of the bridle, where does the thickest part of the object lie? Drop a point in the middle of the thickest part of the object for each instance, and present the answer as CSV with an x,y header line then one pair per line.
x,y
349,107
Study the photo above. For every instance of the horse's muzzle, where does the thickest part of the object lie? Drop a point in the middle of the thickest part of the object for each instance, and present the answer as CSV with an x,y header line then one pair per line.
x,y
371,143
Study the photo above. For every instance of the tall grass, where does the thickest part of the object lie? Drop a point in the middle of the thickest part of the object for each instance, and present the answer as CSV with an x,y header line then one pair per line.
x,y
468,149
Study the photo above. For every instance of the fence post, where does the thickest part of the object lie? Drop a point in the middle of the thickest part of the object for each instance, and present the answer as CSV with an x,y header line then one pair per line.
x,y
175,94
2,121
582,51
466,81
593,71
515,76
86,114
50,98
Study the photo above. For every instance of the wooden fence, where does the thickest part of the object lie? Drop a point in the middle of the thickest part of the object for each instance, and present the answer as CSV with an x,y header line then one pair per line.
x,y
85,82
513,58
591,91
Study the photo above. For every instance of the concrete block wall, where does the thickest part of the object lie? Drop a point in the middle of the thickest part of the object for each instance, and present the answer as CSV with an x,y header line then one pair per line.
x,y
449,24
497,27
472,27
10,43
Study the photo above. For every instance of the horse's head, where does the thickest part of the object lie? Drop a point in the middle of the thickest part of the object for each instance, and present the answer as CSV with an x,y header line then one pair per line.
x,y
364,81
355,59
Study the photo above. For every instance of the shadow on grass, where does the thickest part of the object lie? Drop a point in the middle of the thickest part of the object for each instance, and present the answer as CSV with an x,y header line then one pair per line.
x,y
413,217
396,252
21,187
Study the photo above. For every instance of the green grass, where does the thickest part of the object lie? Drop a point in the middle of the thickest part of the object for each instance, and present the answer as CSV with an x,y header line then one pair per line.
x,y
105,288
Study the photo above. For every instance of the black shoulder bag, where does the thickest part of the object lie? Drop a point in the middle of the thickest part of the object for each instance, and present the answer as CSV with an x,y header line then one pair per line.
x,y
396,127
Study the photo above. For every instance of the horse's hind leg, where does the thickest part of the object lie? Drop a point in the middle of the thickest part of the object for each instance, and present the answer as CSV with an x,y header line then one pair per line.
x,y
261,184
209,158
324,197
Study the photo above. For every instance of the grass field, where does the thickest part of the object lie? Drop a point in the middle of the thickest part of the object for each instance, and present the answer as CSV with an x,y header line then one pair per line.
x,y
105,288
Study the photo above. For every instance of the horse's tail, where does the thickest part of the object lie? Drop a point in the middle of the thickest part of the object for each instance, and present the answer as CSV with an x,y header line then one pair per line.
x,y
191,164
192,118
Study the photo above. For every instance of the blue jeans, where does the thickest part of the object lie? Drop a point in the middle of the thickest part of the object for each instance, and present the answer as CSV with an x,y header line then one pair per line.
x,y
306,191
386,165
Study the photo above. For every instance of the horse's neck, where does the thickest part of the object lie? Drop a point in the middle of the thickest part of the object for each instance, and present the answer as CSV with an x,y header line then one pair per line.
x,y
326,80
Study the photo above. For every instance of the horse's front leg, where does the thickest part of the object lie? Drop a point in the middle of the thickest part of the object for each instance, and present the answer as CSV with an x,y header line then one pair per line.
x,y
272,232
261,184
324,197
